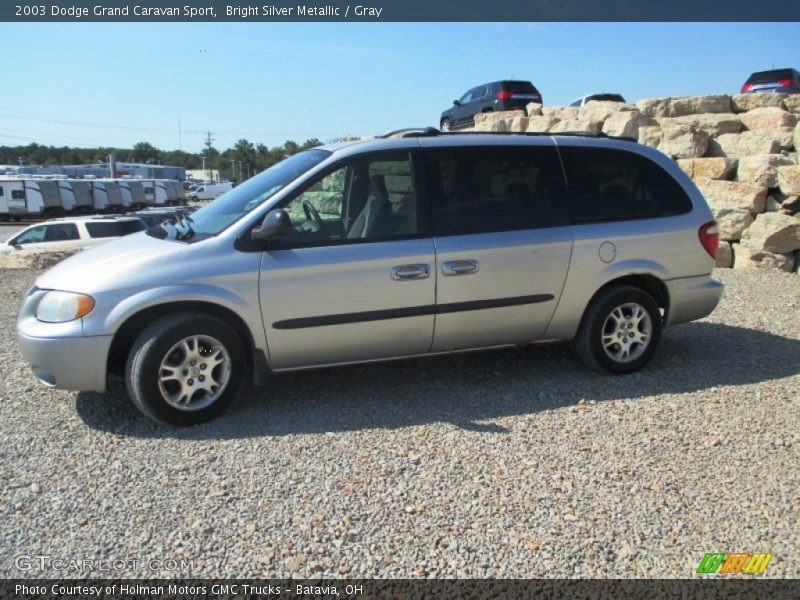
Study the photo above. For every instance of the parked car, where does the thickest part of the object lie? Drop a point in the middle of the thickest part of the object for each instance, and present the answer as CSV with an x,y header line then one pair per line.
x,y
415,244
500,95
209,191
598,97
73,232
784,81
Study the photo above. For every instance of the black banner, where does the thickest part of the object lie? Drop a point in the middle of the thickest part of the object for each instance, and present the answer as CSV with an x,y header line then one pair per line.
x,y
694,589
400,10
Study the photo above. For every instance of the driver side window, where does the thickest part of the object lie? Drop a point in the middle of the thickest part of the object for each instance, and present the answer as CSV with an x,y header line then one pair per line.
x,y
370,198
31,236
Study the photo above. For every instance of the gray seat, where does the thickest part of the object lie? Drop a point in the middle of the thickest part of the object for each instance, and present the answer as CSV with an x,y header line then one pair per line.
x,y
374,220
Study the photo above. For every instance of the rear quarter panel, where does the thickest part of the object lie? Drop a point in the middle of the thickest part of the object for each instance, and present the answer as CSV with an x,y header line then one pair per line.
x,y
666,247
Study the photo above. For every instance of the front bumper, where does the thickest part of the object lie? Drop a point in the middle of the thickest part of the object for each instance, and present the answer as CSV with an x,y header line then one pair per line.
x,y
70,363
692,298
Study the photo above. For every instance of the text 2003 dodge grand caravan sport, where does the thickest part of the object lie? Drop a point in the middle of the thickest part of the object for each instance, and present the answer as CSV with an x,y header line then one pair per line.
x,y
417,243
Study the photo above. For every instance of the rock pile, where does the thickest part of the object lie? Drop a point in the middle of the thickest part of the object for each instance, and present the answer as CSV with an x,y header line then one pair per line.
x,y
740,150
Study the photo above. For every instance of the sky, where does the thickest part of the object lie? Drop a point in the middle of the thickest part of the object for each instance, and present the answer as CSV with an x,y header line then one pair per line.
x,y
91,84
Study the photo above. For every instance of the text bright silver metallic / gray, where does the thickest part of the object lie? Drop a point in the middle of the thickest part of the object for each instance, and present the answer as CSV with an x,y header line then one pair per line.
x,y
384,249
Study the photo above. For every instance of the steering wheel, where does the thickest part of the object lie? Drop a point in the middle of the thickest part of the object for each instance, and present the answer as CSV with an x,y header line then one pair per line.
x,y
312,215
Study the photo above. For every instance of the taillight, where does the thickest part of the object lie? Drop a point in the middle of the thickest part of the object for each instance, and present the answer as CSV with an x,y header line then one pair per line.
x,y
709,237
747,87
505,95
785,82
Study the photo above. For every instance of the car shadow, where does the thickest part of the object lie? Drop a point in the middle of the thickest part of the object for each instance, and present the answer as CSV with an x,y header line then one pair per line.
x,y
464,389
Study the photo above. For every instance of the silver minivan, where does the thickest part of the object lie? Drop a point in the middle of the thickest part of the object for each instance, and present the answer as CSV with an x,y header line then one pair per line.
x,y
413,244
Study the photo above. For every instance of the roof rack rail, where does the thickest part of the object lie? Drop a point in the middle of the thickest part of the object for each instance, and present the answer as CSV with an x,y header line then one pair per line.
x,y
590,134
411,132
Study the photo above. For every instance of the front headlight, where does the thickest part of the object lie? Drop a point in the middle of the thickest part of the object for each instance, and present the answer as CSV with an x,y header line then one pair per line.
x,y
60,307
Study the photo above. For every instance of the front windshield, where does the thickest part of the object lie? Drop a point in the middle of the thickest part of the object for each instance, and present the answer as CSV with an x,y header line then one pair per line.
x,y
233,205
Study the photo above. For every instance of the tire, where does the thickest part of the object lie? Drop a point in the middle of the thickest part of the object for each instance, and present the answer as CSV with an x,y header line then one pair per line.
x,y
160,350
601,340
444,125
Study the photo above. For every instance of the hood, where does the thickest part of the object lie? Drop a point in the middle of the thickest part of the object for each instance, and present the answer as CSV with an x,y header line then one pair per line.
x,y
114,264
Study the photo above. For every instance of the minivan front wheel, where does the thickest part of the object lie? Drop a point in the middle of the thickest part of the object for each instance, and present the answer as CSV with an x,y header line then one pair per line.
x,y
185,368
620,330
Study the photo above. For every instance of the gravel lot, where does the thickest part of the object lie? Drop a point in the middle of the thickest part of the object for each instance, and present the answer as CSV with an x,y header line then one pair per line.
x,y
517,463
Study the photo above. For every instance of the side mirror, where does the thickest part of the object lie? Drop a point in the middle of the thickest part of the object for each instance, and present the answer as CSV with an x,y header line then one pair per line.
x,y
456,103
276,225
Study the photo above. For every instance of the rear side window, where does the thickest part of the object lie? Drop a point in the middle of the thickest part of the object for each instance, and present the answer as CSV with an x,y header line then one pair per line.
x,y
62,232
18,194
101,229
609,185
486,189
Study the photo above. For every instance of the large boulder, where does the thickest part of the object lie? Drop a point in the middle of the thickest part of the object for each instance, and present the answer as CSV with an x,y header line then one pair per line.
x,y
711,123
734,194
683,141
761,168
540,123
796,136
724,255
511,120
773,232
745,102
708,168
789,180
650,135
689,105
792,103
694,105
625,124
600,110
768,117
731,222
783,135
655,107
749,258
576,125
746,143
533,109
561,112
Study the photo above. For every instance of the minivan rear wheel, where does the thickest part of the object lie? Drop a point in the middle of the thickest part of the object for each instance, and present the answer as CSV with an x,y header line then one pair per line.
x,y
620,330
185,368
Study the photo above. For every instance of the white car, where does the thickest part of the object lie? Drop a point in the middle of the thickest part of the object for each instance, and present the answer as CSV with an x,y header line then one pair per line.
x,y
602,97
72,232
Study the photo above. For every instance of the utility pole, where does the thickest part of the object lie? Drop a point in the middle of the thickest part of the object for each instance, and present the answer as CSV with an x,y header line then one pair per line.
x,y
233,169
209,142
180,141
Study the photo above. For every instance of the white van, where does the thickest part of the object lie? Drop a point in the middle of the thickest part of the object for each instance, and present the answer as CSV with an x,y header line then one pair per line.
x,y
210,191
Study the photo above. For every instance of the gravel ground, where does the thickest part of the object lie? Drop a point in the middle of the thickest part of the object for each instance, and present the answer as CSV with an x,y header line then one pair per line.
x,y
517,463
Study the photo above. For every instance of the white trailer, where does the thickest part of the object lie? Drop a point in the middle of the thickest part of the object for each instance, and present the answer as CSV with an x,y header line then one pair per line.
x,y
31,197
132,192
4,214
79,192
113,195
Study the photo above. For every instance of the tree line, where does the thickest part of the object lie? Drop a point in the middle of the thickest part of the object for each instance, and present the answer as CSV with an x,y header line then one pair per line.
x,y
235,163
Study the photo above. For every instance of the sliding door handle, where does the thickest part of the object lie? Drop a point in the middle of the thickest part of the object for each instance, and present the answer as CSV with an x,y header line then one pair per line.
x,y
459,267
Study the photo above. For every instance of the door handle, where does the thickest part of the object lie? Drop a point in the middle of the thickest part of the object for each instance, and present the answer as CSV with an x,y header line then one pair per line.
x,y
460,267
408,272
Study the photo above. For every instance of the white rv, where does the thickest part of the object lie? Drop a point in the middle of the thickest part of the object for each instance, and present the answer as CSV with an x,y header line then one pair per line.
x,y
132,192
4,214
31,197
78,193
